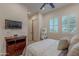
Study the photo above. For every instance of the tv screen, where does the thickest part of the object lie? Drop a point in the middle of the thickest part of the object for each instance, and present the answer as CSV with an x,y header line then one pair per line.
x,y
10,24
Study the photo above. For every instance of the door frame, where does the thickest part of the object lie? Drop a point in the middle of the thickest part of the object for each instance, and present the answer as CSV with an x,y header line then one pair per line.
x,y
32,31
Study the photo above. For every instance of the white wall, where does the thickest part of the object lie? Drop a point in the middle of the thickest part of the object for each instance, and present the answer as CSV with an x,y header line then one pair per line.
x,y
72,9
12,12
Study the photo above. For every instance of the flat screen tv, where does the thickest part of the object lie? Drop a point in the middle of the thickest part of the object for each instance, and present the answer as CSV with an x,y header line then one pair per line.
x,y
10,24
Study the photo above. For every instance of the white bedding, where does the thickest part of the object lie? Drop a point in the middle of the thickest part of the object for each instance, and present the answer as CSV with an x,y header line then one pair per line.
x,y
47,47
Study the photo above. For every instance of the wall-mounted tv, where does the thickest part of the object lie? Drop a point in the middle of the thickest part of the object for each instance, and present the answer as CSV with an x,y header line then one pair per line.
x,y
10,24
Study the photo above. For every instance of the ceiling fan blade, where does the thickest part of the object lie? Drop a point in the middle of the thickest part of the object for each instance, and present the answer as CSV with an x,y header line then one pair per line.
x,y
52,5
43,5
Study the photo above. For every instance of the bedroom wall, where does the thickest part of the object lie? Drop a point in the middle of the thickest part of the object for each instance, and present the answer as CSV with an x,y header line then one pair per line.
x,y
12,12
72,9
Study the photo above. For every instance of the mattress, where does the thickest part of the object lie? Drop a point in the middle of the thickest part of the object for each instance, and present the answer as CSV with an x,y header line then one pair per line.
x,y
47,47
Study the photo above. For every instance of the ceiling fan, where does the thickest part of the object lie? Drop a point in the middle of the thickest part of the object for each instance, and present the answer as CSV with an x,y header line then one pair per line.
x,y
50,4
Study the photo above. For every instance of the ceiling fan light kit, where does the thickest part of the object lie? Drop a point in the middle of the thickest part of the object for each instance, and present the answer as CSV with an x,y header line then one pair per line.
x,y
50,4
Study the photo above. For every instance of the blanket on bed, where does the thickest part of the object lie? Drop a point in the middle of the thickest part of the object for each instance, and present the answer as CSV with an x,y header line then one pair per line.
x,y
47,47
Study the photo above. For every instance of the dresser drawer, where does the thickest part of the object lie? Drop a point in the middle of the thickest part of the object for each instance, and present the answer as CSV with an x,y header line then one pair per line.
x,y
20,45
11,50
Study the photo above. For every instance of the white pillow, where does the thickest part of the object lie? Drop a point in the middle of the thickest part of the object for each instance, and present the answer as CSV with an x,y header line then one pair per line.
x,y
74,51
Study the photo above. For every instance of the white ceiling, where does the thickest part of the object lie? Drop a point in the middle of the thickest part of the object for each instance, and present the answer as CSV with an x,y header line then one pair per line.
x,y
35,7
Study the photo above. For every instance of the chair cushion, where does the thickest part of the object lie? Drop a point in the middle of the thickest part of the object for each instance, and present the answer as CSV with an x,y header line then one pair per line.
x,y
73,41
74,51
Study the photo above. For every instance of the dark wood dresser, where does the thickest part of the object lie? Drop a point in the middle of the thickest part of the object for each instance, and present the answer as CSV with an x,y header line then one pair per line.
x,y
15,46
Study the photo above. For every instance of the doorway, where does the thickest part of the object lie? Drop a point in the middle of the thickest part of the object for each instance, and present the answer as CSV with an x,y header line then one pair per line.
x,y
33,29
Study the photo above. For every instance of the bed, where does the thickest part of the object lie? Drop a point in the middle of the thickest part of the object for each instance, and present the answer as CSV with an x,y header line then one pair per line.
x,y
47,47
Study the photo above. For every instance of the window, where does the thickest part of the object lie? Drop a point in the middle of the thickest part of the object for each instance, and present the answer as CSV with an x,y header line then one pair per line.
x,y
68,23
53,23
